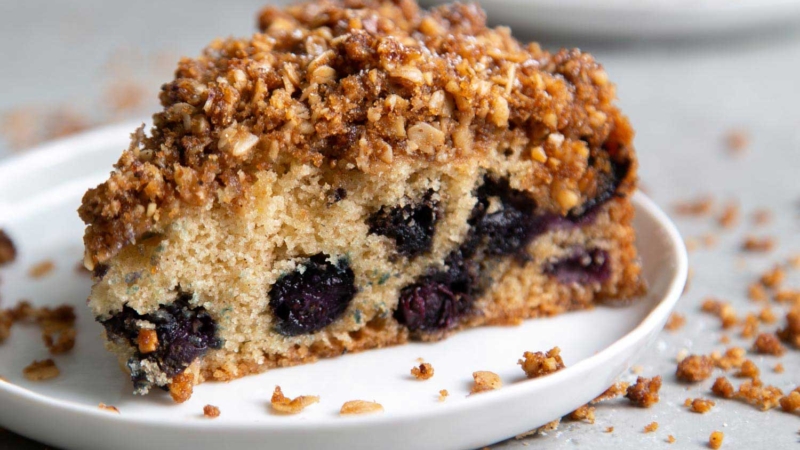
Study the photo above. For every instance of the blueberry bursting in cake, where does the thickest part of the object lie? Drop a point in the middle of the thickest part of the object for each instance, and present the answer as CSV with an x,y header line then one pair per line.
x,y
358,174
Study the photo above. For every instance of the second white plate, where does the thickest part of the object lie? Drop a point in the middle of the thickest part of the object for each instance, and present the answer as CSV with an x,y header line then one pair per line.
x,y
39,194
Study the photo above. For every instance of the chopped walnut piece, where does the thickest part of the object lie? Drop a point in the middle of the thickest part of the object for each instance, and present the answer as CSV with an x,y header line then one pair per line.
x,y
8,253
282,404
651,427
756,244
733,358
41,370
211,411
788,296
644,393
750,327
695,368
701,405
723,388
585,413
108,408
791,402
729,216
147,341
791,333
675,322
614,391
41,269
443,395
768,344
723,310
181,387
766,315
539,364
773,278
698,207
485,381
765,397
360,407
715,440
423,372
748,370
757,293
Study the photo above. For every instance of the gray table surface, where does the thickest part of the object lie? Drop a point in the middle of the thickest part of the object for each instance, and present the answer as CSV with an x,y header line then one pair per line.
x,y
683,97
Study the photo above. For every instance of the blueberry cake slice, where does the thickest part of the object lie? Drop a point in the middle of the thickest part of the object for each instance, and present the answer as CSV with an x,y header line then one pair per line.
x,y
358,174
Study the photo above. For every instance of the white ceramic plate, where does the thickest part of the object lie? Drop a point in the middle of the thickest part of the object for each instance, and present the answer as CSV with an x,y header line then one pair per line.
x,y
636,18
39,194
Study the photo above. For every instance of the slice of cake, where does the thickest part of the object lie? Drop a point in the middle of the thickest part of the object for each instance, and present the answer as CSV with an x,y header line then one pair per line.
x,y
358,174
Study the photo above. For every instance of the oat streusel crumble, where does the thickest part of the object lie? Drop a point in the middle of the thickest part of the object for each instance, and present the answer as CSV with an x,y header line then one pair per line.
x,y
358,174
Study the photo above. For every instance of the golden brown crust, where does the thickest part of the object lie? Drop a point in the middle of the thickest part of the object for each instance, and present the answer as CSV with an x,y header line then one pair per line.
x,y
361,85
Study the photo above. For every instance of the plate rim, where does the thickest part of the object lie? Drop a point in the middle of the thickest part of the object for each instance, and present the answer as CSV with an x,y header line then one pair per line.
x,y
104,137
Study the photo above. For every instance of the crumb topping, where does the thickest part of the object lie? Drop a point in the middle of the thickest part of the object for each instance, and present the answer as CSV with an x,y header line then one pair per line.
x,y
423,372
540,364
748,370
791,332
701,405
758,244
791,402
651,427
715,440
695,368
360,407
768,344
282,404
733,358
8,253
41,269
675,322
485,381
41,370
723,388
181,387
57,324
443,395
109,408
359,85
211,411
584,413
644,393
614,391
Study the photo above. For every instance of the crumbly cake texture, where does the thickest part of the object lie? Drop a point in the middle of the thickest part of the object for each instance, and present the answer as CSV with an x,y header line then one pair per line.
x,y
356,175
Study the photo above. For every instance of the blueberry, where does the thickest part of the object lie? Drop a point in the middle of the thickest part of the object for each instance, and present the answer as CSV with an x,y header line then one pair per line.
x,y
185,333
582,266
410,226
311,298
440,298
607,185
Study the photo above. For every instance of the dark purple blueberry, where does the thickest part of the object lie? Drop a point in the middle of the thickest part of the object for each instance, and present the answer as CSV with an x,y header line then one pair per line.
x,y
311,298
410,226
509,229
100,271
185,333
607,186
582,266
440,298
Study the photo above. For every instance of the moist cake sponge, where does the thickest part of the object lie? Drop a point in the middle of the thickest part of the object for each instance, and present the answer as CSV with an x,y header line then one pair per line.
x,y
358,174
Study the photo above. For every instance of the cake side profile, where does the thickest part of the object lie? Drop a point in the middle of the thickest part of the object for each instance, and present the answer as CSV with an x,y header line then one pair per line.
x,y
358,174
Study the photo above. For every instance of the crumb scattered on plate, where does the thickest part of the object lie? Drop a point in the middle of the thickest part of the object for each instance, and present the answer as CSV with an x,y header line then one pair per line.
x,y
715,440
285,405
360,407
540,364
109,408
485,381
41,269
41,370
211,411
644,393
423,372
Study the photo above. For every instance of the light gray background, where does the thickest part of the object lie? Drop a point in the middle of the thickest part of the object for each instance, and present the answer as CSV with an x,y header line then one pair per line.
x,y
683,96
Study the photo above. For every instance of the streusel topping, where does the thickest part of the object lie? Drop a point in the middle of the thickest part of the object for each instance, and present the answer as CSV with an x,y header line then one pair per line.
x,y
362,85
